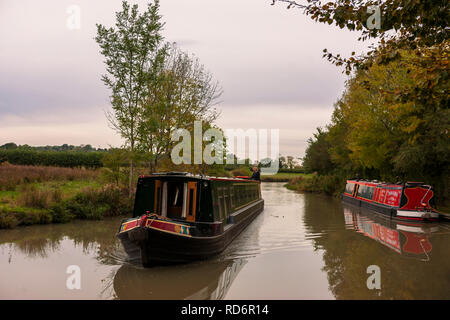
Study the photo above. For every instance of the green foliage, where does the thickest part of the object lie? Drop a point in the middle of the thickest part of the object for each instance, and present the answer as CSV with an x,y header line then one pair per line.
x,y
7,221
133,52
390,124
282,177
155,90
64,147
295,170
317,156
33,197
404,24
393,120
242,171
329,184
96,204
31,217
68,159
181,92
60,213
114,161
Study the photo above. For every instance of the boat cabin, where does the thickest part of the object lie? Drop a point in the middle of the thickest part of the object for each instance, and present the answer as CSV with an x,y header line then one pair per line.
x,y
180,217
411,200
193,198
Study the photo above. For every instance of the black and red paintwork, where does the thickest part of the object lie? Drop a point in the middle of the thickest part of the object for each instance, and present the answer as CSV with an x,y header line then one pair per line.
x,y
408,201
201,223
411,239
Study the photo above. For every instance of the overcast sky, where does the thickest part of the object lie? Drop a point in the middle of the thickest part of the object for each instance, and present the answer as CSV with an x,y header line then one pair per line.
x,y
267,59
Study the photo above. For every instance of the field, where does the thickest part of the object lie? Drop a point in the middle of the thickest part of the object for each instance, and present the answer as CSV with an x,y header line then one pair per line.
x,y
282,177
39,195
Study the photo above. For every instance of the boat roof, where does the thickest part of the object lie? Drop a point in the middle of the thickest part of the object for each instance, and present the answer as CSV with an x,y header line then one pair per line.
x,y
188,175
387,184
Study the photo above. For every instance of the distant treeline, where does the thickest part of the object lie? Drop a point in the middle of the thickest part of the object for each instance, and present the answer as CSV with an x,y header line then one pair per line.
x,y
70,159
86,156
231,167
64,147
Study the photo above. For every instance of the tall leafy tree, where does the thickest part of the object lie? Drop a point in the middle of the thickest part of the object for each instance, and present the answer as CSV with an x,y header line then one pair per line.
x,y
131,50
182,92
317,154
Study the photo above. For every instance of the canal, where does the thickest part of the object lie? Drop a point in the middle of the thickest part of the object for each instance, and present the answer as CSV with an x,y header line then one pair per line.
x,y
303,246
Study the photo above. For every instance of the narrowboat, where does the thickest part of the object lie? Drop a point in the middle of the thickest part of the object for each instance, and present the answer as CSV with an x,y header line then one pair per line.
x,y
181,217
410,239
407,201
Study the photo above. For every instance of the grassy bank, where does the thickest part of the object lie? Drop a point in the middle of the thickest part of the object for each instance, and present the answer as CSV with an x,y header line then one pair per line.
x,y
329,184
283,177
278,177
40,195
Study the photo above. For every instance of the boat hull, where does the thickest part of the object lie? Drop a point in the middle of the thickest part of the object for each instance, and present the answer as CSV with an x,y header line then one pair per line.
x,y
151,246
393,212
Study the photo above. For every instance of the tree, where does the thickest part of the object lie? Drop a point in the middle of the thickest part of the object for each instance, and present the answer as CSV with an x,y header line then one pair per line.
x,y
131,51
114,160
378,130
9,146
317,156
181,93
404,25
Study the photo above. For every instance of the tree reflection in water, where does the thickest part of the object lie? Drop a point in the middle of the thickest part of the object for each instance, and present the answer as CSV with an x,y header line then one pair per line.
x,y
95,237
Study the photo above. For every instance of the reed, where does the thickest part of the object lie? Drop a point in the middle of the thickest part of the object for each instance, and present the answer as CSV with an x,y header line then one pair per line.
x,y
12,176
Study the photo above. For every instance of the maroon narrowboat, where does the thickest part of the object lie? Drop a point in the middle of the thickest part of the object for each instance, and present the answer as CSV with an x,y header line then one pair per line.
x,y
408,201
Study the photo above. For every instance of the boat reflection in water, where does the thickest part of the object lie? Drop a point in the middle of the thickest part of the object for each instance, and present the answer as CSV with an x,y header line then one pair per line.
x,y
194,281
409,239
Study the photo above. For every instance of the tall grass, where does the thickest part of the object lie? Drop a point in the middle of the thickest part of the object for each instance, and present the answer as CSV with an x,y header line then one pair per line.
x,y
13,175
42,206
33,197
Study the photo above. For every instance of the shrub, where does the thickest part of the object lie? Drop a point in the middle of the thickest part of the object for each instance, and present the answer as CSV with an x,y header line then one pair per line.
x,y
28,218
328,184
7,221
60,213
96,204
34,198
69,159
242,171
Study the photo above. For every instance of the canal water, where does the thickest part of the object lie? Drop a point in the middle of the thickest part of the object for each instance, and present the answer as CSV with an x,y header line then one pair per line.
x,y
302,246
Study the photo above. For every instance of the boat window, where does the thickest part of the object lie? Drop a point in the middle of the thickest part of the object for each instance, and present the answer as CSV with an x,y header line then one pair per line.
x,y
164,200
225,202
366,192
219,202
184,207
231,198
349,188
222,196
175,199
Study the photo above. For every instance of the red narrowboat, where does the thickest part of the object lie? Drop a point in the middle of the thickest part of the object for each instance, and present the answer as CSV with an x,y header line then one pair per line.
x,y
408,201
